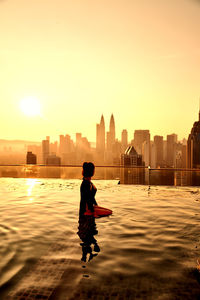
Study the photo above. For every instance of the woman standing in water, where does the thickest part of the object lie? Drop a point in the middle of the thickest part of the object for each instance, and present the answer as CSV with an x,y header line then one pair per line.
x,y
88,190
87,226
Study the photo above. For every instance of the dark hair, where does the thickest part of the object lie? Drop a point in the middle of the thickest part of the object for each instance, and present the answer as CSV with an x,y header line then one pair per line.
x,y
88,169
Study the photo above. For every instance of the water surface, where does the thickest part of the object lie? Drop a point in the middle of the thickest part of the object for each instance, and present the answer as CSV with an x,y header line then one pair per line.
x,y
148,247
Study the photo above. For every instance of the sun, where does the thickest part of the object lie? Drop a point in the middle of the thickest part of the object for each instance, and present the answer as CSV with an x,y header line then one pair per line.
x,y
30,106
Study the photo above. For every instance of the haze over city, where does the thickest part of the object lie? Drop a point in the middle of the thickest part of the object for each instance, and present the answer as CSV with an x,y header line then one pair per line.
x,y
139,60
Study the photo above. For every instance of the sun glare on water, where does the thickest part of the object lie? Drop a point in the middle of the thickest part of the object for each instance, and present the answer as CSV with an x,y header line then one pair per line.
x,y
30,106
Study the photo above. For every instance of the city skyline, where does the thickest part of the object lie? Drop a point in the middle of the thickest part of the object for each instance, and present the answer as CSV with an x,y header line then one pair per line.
x,y
130,136
155,152
33,120
136,59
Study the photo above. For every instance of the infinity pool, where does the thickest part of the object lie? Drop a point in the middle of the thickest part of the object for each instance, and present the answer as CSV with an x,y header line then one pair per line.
x,y
148,247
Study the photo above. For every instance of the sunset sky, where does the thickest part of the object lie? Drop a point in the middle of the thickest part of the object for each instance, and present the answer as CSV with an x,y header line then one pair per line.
x,y
137,59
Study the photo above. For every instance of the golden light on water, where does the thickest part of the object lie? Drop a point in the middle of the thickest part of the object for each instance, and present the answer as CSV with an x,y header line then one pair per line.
x,y
30,106
31,183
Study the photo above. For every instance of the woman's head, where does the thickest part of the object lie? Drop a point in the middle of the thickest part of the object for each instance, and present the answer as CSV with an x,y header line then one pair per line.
x,y
88,169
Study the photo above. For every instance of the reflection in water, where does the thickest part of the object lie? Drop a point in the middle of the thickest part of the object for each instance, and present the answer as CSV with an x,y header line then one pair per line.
x,y
149,190
86,231
134,176
31,183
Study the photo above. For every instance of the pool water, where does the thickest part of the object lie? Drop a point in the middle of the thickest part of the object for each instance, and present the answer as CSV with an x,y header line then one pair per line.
x,y
148,247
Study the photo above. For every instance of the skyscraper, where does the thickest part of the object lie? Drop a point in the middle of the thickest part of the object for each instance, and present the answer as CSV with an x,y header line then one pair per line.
x,y
171,149
128,174
62,144
79,141
111,134
140,136
112,129
131,158
142,144
100,136
193,146
53,160
67,149
124,140
146,153
54,147
31,158
68,142
158,142
45,150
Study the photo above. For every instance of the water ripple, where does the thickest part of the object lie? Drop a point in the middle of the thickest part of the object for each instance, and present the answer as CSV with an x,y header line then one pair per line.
x,y
149,246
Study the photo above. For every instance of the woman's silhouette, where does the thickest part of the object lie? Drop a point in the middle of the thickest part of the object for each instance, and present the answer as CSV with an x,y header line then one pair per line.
x,y
87,226
88,190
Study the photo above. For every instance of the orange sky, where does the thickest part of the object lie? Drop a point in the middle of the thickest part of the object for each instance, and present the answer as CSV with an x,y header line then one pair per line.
x,y
139,60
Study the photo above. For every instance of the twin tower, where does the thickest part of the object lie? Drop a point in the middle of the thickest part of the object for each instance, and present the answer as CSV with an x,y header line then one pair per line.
x,y
105,142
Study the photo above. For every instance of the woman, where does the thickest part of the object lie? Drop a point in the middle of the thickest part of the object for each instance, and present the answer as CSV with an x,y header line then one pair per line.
x,y
88,190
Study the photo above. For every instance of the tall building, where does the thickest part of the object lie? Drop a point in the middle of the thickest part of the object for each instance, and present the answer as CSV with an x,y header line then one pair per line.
x,y
62,144
54,147
79,141
111,134
66,149
171,150
124,140
53,171
128,174
140,136
82,150
37,150
146,148
193,146
100,136
184,156
141,143
45,150
53,160
131,158
180,155
153,154
31,158
158,142
112,129
69,143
